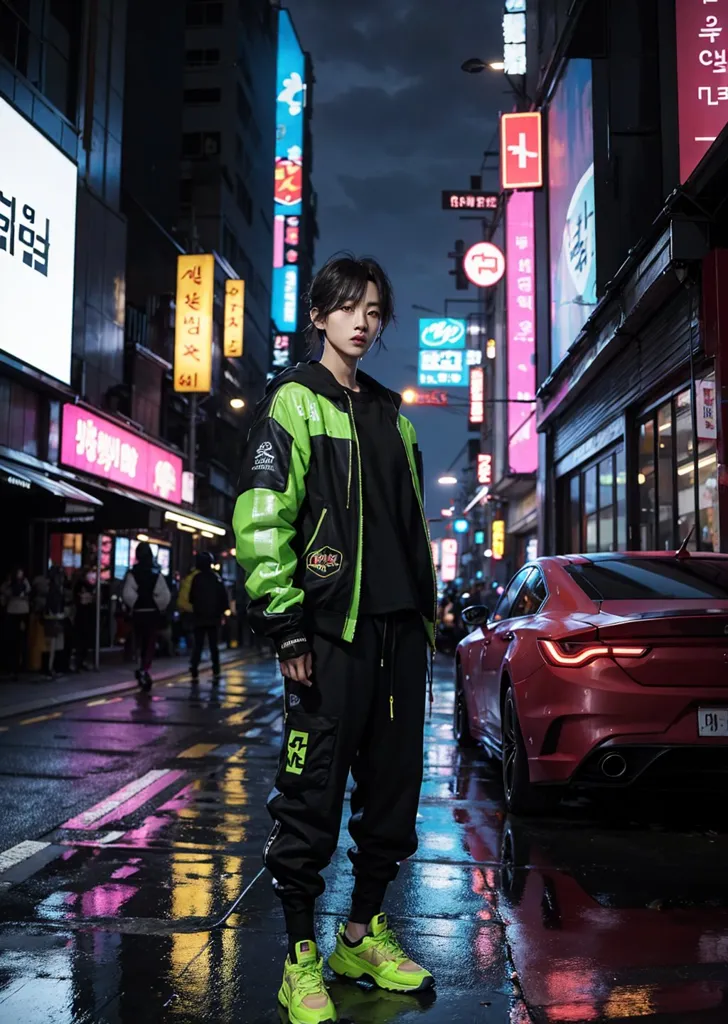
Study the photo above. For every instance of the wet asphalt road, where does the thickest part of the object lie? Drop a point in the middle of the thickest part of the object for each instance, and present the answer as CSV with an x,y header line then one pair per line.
x,y
143,899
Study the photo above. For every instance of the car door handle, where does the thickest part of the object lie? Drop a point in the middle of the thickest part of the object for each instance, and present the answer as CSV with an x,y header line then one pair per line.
x,y
507,637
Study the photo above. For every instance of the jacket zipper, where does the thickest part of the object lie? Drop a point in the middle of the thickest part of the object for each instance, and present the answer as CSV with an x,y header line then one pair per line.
x,y
315,534
424,524
351,619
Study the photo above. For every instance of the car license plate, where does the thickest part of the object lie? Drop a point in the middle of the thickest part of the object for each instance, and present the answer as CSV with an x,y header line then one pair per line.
x,y
713,721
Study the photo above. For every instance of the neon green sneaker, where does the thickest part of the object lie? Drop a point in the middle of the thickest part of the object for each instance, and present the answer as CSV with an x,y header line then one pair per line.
x,y
380,958
303,992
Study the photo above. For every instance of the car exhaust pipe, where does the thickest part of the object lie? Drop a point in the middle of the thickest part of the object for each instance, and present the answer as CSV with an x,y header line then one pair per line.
x,y
613,766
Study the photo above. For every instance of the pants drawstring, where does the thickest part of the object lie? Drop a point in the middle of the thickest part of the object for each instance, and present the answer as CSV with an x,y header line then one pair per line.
x,y
391,663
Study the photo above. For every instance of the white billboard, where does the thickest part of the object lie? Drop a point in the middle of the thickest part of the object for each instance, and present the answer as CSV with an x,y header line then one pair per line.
x,y
37,245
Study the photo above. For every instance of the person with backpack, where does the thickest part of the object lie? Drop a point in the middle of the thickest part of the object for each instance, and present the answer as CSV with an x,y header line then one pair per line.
x,y
209,602
147,595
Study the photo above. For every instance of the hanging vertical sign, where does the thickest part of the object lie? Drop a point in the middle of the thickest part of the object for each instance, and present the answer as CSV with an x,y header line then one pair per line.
x,y
707,419
477,396
485,468
498,539
448,559
193,323
521,320
288,174
234,317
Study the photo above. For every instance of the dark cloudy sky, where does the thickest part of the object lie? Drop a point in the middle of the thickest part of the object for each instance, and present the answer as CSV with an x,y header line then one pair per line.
x,y
395,122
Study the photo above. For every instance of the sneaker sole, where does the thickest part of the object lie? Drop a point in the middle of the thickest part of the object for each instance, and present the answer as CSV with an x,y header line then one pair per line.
x,y
296,1020
345,970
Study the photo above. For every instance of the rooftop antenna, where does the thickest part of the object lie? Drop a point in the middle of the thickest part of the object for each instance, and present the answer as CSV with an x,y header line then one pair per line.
x,y
682,551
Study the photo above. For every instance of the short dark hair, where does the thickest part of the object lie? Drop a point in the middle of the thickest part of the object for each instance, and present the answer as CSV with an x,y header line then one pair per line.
x,y
344,278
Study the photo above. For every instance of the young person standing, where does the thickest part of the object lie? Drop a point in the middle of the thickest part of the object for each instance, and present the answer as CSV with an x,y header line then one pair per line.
x,y
331,531
209,602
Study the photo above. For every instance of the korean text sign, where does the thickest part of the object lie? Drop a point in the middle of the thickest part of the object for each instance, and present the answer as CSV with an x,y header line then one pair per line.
x,y
521,150
193,323
448,559
98,446
572,221
702,77
477,395
37,245
438,369
521,296
234,318
498,539
288,174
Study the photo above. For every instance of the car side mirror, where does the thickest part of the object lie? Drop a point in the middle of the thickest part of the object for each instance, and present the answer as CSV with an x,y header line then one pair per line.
x,y
476,615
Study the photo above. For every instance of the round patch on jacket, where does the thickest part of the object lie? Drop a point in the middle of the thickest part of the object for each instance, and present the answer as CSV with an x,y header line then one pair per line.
x,y
325,562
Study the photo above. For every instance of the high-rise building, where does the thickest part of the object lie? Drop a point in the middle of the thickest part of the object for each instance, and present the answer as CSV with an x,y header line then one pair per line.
x,y
132,134
62,263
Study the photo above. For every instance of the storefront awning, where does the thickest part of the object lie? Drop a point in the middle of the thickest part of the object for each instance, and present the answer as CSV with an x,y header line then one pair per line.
x,y
182,518
22,476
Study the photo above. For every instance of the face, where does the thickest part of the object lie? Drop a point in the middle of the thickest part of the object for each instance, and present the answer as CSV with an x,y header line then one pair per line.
x,y
353,329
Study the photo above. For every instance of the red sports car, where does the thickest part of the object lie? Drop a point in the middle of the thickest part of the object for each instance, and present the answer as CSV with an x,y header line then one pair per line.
x,y
600,670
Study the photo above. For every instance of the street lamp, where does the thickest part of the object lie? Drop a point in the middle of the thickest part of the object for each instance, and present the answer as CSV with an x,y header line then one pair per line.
x,y
237,404
409,396
474,65
447,480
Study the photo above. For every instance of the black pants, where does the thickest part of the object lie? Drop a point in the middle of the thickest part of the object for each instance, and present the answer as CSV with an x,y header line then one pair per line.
x,y
212,634
146,625
85,632
16,628
364,713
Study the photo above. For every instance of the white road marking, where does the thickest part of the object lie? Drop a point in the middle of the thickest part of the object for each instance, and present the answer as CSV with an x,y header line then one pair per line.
x,y
120,797
110,837
17,854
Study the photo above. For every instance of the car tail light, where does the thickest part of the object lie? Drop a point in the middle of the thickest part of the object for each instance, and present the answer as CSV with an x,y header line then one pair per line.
x,y
569,655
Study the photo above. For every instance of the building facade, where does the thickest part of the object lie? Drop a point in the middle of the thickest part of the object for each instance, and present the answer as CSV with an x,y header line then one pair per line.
x,y
630,343
136,135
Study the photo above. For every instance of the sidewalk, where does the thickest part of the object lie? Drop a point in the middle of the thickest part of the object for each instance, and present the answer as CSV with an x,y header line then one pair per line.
x,y
35,692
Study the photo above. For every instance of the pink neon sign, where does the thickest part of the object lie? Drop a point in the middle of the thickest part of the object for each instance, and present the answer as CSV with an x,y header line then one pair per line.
x,y
521,292
98,446
701,73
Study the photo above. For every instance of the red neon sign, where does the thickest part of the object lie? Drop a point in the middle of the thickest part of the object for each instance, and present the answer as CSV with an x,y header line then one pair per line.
x,y
485,469
521,150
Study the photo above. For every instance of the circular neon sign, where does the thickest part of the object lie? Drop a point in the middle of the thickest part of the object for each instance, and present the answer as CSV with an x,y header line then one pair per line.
x,y
484,264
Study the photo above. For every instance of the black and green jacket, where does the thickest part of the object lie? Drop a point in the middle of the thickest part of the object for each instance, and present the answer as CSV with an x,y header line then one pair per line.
x,y
298,521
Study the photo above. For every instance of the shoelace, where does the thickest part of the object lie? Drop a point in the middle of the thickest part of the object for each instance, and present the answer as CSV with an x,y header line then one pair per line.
x,y
310,979
387,943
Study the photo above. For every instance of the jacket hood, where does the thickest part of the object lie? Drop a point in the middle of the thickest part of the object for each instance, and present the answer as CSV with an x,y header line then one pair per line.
x,y
321,381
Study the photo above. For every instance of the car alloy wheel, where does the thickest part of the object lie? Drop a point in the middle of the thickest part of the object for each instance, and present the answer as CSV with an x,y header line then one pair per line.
x,y
461,726
522,797
510,746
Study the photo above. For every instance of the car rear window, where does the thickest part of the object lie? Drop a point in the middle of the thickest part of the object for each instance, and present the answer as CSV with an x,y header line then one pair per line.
x,y
649,579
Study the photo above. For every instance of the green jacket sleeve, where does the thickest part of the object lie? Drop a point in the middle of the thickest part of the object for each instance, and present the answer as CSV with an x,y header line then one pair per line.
x,y
272,489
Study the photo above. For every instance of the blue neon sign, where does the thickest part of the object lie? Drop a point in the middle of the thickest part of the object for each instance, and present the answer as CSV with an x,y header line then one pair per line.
x,y
442,369
445,332
288,180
